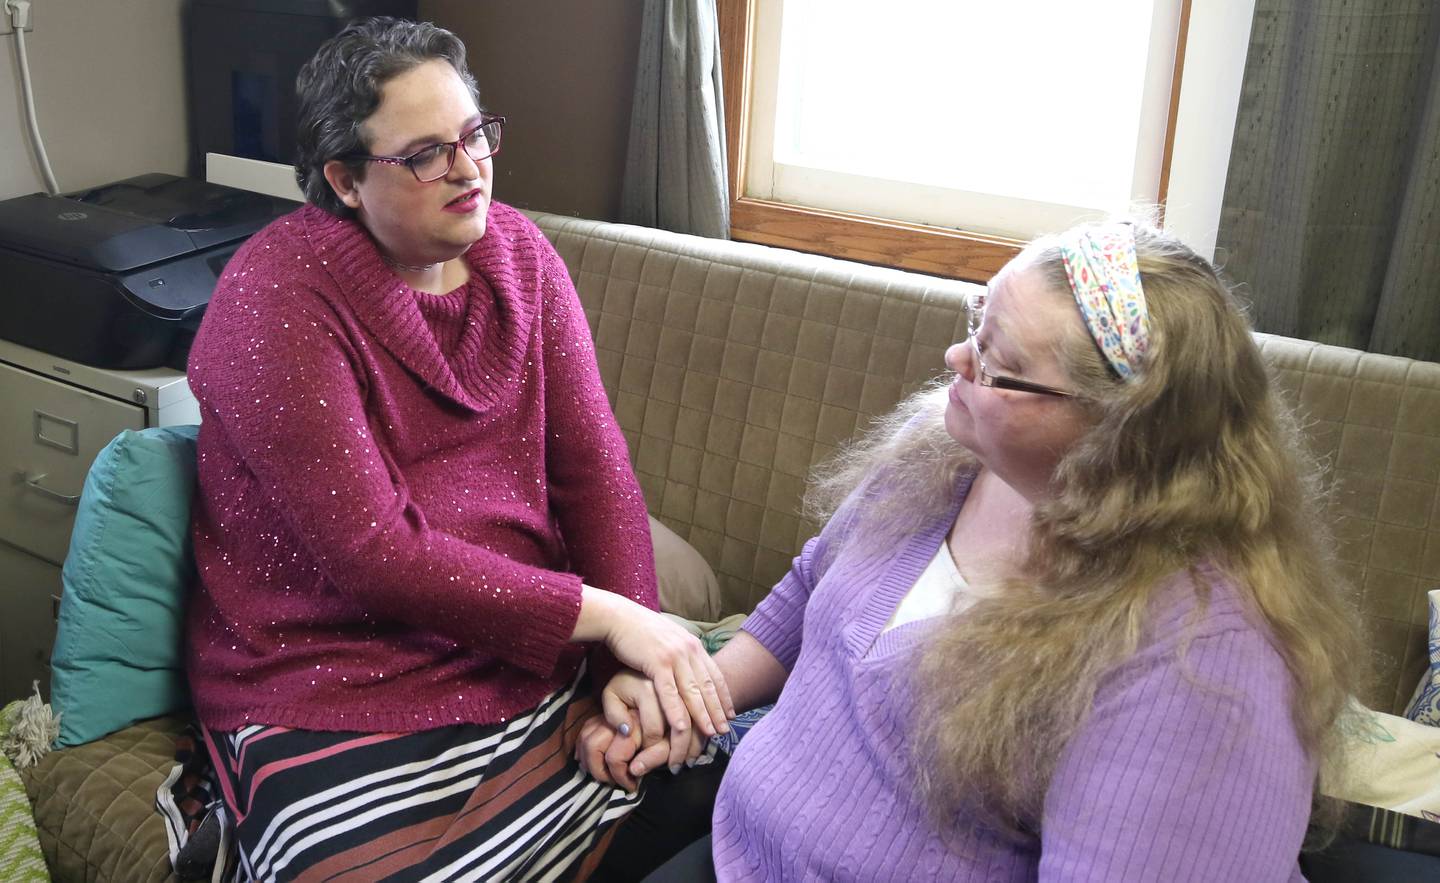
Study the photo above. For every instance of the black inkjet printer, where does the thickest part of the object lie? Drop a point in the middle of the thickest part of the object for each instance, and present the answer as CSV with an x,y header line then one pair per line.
x,y
118,276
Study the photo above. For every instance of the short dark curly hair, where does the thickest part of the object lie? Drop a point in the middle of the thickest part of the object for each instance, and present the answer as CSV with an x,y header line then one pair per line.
x,y
340,87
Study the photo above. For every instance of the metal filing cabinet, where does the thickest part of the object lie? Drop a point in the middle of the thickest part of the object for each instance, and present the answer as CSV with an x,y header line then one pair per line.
x,y
55,416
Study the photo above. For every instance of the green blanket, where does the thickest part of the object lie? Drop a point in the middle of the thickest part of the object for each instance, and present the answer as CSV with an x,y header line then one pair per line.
x,y
20,858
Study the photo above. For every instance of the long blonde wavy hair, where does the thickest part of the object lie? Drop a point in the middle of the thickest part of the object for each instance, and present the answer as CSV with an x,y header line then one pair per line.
x,y
1196,459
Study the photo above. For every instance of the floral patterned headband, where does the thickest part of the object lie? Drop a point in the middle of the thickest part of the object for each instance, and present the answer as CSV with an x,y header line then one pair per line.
x,y
1104,276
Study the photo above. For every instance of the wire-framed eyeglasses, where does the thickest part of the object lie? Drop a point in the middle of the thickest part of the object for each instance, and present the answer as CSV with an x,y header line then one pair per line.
x,y
975,315
435,162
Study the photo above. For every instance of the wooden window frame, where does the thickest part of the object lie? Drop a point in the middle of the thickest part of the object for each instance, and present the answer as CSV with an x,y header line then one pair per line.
x,y
940,251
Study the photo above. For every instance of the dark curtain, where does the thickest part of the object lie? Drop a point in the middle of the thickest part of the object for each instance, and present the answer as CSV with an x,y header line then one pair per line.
x,y
1330,214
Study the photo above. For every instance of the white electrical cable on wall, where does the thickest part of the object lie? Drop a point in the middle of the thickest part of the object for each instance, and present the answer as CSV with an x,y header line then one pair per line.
x,y
18,17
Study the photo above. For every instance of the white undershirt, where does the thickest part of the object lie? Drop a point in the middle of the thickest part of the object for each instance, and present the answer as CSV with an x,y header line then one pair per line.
x,y
940,589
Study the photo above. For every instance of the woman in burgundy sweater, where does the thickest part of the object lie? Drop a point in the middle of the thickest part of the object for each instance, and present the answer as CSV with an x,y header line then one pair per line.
x,y
416,514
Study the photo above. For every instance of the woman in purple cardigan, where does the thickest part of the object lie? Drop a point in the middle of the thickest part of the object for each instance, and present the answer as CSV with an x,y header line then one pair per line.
x,y
1072,617
416,519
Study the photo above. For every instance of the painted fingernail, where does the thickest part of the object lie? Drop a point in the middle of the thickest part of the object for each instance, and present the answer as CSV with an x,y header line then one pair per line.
x,y
623,729
674,768
638,769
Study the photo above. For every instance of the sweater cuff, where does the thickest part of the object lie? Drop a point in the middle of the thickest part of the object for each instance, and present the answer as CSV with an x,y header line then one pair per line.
x,y
777,630
549,628
603,667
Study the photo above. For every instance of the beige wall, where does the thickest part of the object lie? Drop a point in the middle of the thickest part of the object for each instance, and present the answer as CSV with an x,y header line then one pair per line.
x,y
109,94
563,72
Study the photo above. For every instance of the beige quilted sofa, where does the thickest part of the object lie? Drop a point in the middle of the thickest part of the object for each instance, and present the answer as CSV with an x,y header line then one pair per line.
x,y
733,368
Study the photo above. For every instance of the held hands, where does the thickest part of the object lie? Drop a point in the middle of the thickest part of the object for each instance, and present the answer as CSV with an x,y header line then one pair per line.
x,y
632,722
649,710
685,682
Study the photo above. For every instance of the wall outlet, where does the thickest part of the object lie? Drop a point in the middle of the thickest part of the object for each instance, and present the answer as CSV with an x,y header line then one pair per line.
x,y
7,28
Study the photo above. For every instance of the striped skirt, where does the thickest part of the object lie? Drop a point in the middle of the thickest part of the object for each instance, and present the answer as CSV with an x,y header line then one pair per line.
x,y
498,802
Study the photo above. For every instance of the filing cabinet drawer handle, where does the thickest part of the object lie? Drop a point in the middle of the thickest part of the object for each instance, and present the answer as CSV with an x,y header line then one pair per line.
x,y
34,483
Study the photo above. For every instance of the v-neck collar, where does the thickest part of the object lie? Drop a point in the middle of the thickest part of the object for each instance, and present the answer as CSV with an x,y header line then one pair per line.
x,y
864,637
491,352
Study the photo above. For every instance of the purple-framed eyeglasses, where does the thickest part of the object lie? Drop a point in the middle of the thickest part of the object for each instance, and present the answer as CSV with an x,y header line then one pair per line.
x,y
975,314
435,162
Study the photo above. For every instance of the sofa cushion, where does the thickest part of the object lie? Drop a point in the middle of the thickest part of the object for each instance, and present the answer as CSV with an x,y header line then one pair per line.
x,y
687,584
117,656
95,804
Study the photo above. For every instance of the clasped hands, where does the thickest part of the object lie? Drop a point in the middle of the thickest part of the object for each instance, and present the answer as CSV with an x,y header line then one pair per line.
x,y
644,726
671,698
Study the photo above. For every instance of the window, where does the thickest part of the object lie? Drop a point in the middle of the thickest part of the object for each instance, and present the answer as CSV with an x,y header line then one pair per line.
x,y
939,135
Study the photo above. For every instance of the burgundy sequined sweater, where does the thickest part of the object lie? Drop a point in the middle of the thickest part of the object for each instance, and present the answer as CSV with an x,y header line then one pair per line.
x,y
399,494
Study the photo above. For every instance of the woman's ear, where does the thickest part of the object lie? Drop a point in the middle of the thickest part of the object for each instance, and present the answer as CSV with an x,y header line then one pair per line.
x,y
342,181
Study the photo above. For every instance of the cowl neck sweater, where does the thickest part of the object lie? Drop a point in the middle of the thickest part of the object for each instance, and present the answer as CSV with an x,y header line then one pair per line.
x,y
397,504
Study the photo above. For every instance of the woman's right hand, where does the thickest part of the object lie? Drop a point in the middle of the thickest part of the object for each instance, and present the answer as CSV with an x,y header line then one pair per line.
x,y
628,701
687,681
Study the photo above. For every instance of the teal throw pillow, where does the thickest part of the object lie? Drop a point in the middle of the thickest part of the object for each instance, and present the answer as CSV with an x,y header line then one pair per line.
x,y
118,656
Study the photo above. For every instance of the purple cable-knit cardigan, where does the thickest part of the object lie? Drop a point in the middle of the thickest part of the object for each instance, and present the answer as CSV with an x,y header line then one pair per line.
x,y
391,531
1183,771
